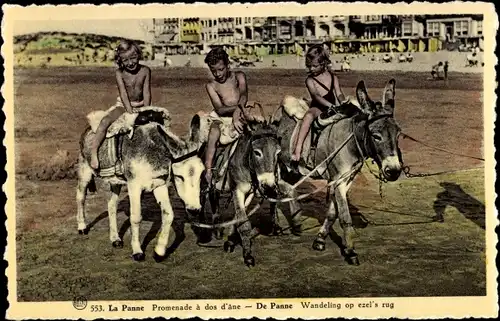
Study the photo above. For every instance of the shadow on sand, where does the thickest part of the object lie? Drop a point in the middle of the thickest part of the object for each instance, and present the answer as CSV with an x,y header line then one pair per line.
x,y
453,195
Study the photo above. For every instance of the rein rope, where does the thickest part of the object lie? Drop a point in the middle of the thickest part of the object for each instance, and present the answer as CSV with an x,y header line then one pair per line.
x,y
407,169
440,149
356,168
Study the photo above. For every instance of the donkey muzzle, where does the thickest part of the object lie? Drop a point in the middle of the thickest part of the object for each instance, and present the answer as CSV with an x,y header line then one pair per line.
x,y
267,184
391,168
193,212
392,174
266,179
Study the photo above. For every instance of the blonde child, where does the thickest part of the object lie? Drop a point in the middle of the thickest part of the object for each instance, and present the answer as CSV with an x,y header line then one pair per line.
x,y
134,87
324,88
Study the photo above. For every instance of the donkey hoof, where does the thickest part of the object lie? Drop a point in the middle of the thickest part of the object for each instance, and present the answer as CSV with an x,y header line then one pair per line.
x,y
138,257
277,230
218,234
83,232
249,260
229,247
352,259
118,244
158,258
319,245
297,230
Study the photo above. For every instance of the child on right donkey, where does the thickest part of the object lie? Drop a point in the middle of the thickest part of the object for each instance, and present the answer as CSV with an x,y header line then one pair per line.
x,y
324,88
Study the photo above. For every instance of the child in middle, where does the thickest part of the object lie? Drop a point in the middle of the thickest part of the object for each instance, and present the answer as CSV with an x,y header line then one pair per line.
x,y
228,93
324,88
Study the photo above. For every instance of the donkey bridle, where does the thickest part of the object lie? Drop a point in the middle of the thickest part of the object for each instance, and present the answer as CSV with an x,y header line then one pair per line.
x,y
184,157
255,182
368,149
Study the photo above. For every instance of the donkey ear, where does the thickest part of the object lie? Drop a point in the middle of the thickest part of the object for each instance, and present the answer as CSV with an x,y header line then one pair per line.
x,y
195,129
389,93
364,100
174,144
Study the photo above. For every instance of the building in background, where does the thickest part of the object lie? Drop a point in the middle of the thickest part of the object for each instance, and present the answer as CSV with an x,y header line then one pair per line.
x,y
191,34
209,30
167,35
456,31
293,34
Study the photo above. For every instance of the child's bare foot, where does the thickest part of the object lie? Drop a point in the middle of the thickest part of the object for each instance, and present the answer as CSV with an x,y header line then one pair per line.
x,y
94,162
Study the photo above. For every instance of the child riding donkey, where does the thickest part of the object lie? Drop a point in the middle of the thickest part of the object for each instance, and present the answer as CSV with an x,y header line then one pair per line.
x,y
134,87
228,93
324,89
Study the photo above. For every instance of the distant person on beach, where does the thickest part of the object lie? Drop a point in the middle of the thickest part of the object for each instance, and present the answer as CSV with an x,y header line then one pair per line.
x,y
402,57
274,64
167,62
409,57
436,69
445,69
134,88
346,64
387,58
324,88
472,60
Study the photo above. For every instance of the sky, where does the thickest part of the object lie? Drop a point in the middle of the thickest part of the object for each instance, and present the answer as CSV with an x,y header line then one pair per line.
x,y
122,28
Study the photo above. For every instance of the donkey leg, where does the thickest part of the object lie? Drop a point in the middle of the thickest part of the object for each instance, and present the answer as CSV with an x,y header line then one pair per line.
x,y
167,216
84,178
112,209
319,243
275,212
213,198
233,237
134,193
346,223
295,210
244,226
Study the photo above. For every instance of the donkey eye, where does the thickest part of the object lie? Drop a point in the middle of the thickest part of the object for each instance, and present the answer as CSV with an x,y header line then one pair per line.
x,y
257,153
377,137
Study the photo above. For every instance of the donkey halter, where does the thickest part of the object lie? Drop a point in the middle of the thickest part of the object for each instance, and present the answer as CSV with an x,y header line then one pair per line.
x,y
255,182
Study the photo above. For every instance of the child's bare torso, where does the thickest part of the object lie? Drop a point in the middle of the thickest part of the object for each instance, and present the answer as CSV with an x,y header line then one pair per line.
x,y
228,92
134,83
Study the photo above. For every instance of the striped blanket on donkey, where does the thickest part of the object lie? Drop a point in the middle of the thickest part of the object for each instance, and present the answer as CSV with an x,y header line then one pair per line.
x,y
110,151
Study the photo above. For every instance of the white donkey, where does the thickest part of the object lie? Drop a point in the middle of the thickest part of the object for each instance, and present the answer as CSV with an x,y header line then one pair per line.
x,y
145,160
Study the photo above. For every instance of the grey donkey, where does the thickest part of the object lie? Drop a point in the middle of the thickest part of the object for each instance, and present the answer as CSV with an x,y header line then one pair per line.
x,y
374,135
151,160
251,169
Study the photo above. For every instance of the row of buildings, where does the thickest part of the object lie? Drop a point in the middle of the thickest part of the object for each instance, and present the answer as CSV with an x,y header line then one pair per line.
x,y
285,35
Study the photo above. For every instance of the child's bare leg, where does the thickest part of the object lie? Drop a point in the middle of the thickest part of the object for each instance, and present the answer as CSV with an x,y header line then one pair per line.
x,y
101,134
213,138
311,114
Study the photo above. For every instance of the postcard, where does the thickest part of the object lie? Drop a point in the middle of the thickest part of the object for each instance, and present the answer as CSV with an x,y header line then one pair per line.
x,y
268,160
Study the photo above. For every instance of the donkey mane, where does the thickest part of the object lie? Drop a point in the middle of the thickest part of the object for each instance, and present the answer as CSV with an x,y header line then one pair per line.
x,y
260,128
